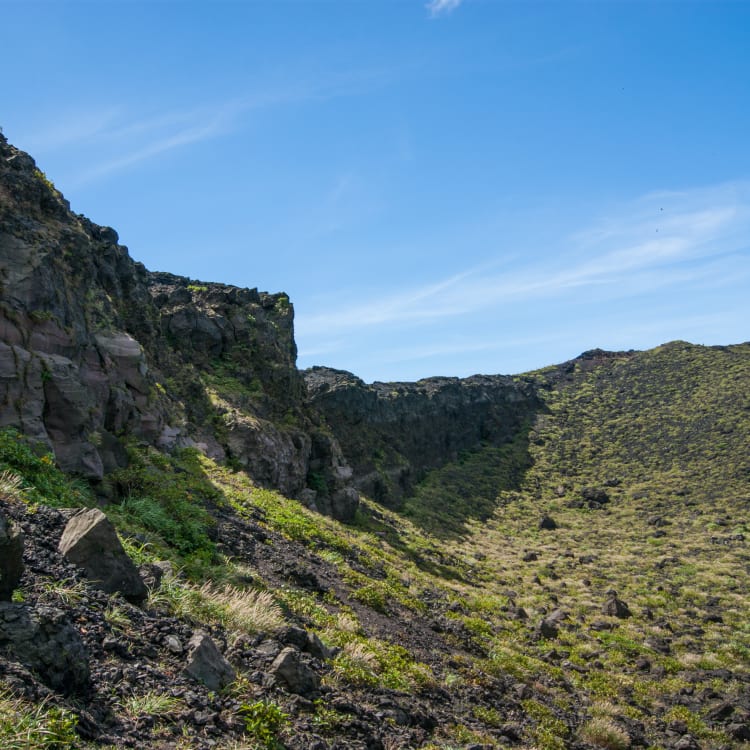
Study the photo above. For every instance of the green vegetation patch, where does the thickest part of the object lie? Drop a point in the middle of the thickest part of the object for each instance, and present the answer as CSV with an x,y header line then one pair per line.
x,y
41,480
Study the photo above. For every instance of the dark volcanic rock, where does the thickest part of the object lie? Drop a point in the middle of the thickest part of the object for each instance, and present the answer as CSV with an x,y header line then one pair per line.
x,y
90,541
392,433
43,639
615,607
290,670
548,524
206,664
11,558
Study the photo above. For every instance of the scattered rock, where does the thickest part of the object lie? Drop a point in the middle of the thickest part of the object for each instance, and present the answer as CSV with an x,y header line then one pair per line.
x,y
530,557
594,496
44,640
547,523
90,541
173,644
206,664
660,645
740,732
315,647
289,670
686,742
615,607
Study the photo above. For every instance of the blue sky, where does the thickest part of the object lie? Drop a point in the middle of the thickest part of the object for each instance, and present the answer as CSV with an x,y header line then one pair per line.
x,y
442,188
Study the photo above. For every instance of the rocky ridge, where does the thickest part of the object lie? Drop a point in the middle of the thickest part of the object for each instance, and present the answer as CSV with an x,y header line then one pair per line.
x,y
96,350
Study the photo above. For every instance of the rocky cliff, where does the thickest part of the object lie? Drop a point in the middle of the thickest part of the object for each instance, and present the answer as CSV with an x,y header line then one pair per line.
x,y
393,433
97,351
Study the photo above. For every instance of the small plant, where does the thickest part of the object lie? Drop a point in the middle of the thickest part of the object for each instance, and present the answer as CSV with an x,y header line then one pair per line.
x,y
604,733
42,481
152,704
11,486
45,180
41,726
68,591
197,288
263,722
117,618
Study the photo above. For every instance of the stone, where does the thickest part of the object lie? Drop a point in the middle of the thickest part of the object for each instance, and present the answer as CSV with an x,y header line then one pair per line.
x,y
90,541
594,496
547,524
44,640
172,642
686,742
315,647
615,607
11,558
548,629
205,663
740,732
290,671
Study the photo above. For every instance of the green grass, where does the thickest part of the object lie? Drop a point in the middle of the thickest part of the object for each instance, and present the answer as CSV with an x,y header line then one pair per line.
x,y
41,480
40,726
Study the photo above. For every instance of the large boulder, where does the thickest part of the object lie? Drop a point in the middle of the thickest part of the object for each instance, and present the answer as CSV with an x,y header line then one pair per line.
x,y
11,558
615,607
206,664
90,541
44,640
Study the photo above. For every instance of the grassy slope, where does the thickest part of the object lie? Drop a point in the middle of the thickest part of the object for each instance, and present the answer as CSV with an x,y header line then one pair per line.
x,y
664,432
670,429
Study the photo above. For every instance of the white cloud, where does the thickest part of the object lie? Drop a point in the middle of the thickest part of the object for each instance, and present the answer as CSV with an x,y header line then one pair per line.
x,y
658,241
442,7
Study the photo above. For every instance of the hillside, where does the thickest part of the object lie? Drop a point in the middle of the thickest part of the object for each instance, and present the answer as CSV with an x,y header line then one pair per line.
x,y
552,560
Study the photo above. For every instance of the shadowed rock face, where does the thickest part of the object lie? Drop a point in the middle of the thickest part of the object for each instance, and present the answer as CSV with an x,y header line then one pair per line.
x,y
393,433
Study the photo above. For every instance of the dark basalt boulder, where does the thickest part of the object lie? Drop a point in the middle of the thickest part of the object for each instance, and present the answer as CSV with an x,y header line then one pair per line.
x,y
90,541
206,664
44,640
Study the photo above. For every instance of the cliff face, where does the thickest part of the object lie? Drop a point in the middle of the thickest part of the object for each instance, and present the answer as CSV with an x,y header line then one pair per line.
x,y
95,350
393,433
72,375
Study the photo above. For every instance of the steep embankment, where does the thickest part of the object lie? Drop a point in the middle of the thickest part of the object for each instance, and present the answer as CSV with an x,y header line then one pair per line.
x,y
392,434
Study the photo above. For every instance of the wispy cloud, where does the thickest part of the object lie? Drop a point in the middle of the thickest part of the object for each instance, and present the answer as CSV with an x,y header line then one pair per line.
x,y
118,138
442,7
160,146
661,240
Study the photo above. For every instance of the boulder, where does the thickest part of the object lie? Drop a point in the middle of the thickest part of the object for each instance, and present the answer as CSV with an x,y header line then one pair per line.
x,y
90,541
205,663
615,607
547,524
290,671
11,558
44,640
